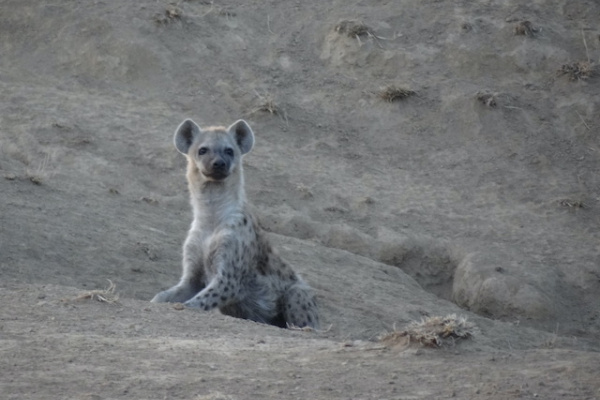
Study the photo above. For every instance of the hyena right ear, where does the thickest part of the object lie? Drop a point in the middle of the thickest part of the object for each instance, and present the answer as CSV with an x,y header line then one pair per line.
x,y
185,134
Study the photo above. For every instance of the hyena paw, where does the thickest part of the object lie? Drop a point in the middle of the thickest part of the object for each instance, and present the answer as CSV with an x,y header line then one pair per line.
x,y
173,295
194,302
162,297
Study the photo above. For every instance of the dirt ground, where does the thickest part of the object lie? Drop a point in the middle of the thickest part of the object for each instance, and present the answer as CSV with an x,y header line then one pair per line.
x,y
413,159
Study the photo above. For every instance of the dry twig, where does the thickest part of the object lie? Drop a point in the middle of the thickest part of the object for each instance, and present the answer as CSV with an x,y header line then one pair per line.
x,y
107,295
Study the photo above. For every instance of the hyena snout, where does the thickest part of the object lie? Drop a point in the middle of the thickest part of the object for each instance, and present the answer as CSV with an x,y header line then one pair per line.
x,y
217,168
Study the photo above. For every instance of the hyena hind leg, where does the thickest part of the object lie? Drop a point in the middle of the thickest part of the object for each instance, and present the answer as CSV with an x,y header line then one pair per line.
x,y
300,307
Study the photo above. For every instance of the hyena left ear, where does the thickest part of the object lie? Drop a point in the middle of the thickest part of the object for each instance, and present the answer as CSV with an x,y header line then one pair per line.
x,y
243,135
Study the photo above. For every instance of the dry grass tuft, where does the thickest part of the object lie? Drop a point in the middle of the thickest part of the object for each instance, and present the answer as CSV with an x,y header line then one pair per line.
x,y
38,175
149,200
487,98
107,295
353,28
266,104
571,203
171,14
525,28
393,93
580,70
432,331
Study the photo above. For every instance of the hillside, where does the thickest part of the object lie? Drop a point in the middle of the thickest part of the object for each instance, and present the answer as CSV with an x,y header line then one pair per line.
x,y
413,159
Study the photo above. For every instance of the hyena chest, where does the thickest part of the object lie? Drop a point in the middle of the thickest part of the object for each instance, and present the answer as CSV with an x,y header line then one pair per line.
x,y
226,251
210,252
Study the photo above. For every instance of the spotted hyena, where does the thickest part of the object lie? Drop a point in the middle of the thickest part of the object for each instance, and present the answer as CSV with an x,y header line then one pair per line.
x,y
227,260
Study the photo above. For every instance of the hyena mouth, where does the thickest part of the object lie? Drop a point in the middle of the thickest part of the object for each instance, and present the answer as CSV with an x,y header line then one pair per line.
x,y
216,174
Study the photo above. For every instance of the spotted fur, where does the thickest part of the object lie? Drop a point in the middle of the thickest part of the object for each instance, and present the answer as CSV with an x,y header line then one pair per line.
x,y
228,262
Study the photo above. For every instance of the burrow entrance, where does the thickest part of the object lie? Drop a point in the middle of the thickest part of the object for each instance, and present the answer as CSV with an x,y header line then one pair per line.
x,y
431,265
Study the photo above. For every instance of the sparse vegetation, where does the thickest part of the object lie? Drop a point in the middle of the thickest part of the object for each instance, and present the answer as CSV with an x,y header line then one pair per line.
x,y
40,174
487,98
432,331
353,28
149,200
266,104
170,14
393,93
571,203
525,28
356,29
580,70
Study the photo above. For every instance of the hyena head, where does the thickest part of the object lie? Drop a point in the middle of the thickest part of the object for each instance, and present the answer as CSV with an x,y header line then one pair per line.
x,y
215,151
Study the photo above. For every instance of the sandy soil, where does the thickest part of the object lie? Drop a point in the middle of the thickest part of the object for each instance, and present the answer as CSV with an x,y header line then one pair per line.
x,y
476,195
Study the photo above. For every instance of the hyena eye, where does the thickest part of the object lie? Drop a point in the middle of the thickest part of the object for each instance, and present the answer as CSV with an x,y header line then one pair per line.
x,y
229,152
202,150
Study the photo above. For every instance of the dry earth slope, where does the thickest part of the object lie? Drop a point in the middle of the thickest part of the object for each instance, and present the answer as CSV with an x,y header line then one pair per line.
x,y
475,192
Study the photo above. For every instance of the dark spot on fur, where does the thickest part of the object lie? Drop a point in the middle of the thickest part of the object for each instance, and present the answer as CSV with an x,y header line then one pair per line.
x,y
309,318
245,221
223,298
214,304
206,307
226,289
262,261
215,294
304,307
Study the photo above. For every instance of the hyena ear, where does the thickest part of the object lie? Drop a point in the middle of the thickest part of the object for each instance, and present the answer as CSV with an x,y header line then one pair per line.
x,y
243,135
185,134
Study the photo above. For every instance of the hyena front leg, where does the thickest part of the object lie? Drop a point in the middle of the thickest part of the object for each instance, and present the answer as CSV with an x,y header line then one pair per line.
x,y
219,292
193,278
225,258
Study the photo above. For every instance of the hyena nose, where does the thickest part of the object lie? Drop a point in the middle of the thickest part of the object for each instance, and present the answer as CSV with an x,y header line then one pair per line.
x,y
219,164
